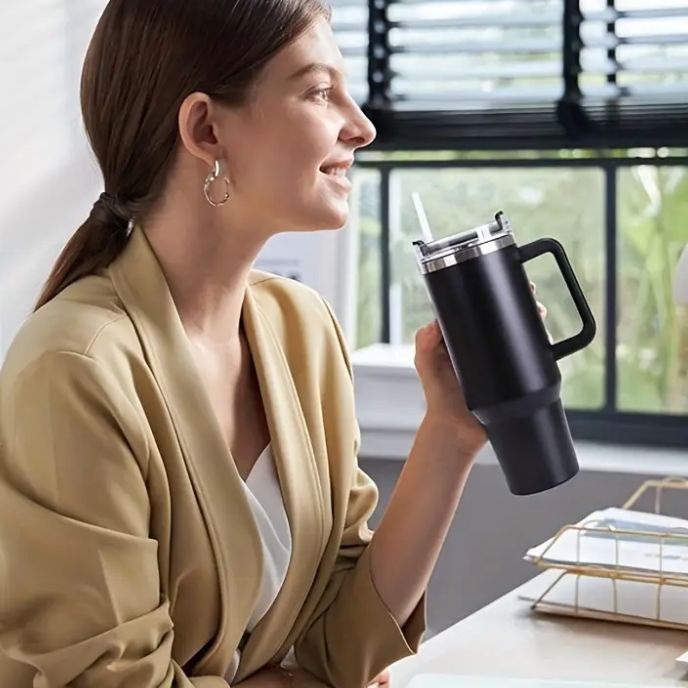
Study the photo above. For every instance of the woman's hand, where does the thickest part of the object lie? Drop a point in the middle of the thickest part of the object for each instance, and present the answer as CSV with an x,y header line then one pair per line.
x,y
383,680
445,402
295,677
267,677
289,676
542,311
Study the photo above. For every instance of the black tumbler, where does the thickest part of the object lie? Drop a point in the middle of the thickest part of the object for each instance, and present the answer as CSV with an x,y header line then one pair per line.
x,y
500,350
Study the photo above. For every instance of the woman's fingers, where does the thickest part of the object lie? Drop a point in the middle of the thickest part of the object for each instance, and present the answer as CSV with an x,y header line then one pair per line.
x,y
383,680
542,310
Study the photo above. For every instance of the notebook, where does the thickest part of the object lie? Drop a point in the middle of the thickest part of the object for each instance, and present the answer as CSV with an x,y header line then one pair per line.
x,y
621,537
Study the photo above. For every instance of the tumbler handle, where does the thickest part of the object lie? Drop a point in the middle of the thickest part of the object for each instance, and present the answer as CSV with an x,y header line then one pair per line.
x,y
587,334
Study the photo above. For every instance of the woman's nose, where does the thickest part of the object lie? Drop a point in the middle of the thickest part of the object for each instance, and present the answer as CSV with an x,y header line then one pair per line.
x,y
359,131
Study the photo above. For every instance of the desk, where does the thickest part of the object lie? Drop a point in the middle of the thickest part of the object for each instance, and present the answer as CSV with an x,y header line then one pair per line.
x,y
507,639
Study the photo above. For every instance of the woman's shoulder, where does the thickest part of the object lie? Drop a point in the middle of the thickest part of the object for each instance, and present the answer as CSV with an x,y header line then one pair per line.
x,y
71,323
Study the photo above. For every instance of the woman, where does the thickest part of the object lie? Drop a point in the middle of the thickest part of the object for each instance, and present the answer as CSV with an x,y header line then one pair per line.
x,y
180,502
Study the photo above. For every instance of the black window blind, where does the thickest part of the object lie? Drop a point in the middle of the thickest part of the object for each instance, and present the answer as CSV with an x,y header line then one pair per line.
x,y
630,63
519,73
350,24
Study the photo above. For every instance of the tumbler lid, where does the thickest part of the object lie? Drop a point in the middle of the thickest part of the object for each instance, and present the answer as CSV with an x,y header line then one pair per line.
x,y
441,253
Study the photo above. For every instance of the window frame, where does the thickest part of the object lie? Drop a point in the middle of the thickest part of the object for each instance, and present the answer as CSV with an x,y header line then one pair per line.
x,y
608,424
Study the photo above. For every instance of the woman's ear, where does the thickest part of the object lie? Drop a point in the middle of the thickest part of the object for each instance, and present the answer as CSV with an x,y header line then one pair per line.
x,y
198,129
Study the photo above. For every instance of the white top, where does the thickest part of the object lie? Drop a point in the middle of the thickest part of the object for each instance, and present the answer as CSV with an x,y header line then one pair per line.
x,y
265,498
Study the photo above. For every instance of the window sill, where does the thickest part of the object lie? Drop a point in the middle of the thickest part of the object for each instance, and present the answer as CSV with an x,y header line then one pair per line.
x,y
390,407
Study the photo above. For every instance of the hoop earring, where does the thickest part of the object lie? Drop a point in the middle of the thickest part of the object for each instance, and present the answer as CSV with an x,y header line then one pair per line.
x,y
209,180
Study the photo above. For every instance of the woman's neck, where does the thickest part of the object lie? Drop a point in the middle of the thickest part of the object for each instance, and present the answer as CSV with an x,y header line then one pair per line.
x,y
207,274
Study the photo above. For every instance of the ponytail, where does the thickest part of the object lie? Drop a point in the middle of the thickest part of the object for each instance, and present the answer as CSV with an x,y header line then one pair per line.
x,y
92,247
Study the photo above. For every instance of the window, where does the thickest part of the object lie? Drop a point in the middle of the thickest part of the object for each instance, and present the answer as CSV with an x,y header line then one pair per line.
x,y
652,333
569,115
622,222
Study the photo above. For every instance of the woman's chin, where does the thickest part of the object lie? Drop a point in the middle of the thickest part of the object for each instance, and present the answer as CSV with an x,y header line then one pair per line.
x,y
319,211
334,216
338,222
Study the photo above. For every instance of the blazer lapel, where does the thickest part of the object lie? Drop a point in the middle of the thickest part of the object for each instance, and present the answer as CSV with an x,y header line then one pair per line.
x,y
140,282
297,470
141,285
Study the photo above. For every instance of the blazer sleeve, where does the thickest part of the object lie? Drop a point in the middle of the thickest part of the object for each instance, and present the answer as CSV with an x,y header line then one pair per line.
x,y
80,597
352,635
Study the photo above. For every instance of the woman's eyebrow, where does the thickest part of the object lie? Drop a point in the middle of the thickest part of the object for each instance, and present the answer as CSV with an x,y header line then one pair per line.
x,y
318,67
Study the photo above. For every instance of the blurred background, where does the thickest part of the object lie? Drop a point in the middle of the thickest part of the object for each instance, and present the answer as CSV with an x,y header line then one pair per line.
x,y
569,115
586,135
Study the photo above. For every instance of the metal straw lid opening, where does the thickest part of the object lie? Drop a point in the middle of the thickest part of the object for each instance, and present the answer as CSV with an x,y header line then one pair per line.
x,y
439,253
500,227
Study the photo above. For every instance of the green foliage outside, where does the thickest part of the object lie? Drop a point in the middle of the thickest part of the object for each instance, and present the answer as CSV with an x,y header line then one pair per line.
x,y
568,204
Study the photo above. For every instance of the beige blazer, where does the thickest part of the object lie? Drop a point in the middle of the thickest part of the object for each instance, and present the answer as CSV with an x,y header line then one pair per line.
x,y
129,556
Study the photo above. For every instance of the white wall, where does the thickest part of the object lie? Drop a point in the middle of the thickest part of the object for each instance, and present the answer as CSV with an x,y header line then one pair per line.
x,y
47,175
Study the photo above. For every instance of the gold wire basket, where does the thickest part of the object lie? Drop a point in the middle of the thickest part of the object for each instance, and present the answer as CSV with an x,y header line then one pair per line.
x,y
617,572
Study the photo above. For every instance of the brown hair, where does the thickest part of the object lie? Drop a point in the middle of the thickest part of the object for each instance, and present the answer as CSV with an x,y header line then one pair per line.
x,y
145,57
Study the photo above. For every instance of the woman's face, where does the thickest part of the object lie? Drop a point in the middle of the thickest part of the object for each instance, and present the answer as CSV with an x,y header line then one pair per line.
x,y
289,148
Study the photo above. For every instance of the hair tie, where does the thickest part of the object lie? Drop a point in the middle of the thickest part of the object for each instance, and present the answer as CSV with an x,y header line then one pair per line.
x,y
114,210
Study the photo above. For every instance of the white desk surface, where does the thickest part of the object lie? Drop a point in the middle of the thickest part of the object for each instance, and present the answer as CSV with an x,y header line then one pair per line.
x,y
507,639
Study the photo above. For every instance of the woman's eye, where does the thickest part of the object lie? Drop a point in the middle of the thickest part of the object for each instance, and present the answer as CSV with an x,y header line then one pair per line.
x,y
323,93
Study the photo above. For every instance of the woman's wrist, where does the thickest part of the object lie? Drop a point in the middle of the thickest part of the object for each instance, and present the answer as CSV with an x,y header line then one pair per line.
x,y
464,441
283,676
288,676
